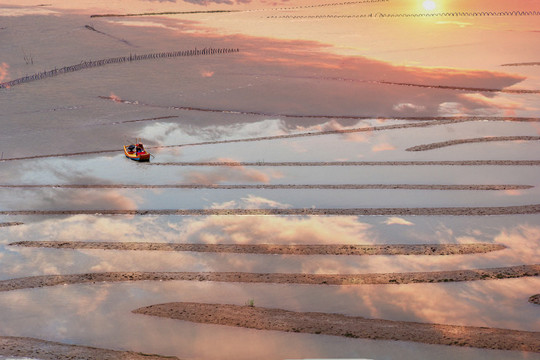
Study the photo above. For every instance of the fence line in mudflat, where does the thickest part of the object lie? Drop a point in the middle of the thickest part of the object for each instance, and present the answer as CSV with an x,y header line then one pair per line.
x,y
116,60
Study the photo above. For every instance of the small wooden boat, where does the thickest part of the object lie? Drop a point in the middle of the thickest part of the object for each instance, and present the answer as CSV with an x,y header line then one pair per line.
x,y
136,152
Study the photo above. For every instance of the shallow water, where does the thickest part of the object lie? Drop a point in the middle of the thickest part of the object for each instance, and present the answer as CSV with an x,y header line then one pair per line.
x,y
253,94
100,314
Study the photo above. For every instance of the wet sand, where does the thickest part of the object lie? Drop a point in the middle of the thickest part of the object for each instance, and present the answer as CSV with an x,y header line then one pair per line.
x,y
439,145
275,249
452,211
347,326
500,187
49,350
277,278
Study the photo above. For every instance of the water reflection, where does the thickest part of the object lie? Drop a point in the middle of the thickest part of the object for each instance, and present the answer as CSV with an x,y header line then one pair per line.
x,y
100,314
271,76
521,241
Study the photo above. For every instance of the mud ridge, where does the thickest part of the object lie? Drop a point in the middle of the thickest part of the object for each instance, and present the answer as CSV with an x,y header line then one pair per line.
x,y
49,350
276,249
470,141
523,64
348,326
451,211
275,186
379,15
535,299
13,223
277,278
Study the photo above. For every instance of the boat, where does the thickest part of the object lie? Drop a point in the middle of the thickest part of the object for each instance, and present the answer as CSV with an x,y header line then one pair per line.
x,y
136,152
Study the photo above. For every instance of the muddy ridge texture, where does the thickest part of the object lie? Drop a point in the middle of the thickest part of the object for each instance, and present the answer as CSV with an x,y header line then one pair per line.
x,y
347,326
499,187
49,350
473,140
452,211
275,249
276,278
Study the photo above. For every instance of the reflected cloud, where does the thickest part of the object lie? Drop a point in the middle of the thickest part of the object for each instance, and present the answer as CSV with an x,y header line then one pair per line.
x,y
251,202
490,104
141,24
207,73
460,304
230,174
87,199
383,147
25,11
460,24
4,74
397,221
408,107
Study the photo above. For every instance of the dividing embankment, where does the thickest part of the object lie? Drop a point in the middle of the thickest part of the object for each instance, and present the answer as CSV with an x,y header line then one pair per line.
x,y
347,326
276,249
277,278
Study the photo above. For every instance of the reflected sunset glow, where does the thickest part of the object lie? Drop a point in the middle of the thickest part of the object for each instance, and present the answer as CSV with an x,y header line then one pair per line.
x,y
294,105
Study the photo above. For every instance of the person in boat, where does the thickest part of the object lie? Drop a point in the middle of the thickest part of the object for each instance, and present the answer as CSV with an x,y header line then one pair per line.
x,y
131,148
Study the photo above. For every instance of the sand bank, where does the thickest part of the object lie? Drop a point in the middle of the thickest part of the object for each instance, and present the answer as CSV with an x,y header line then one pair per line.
x,y
452,211
348,326
500,187
12,223
442,144
49,350
277,278
421,249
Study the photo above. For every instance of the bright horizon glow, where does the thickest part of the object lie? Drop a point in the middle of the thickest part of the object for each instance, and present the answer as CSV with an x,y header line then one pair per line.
x,y
429,5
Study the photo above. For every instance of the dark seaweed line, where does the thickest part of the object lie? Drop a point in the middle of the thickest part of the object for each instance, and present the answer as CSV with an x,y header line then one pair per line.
x,y
448,87
357,163
410,15
523,64
451,211
276,186
319,5
428,86
122,59
12,223
470,141
238,11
